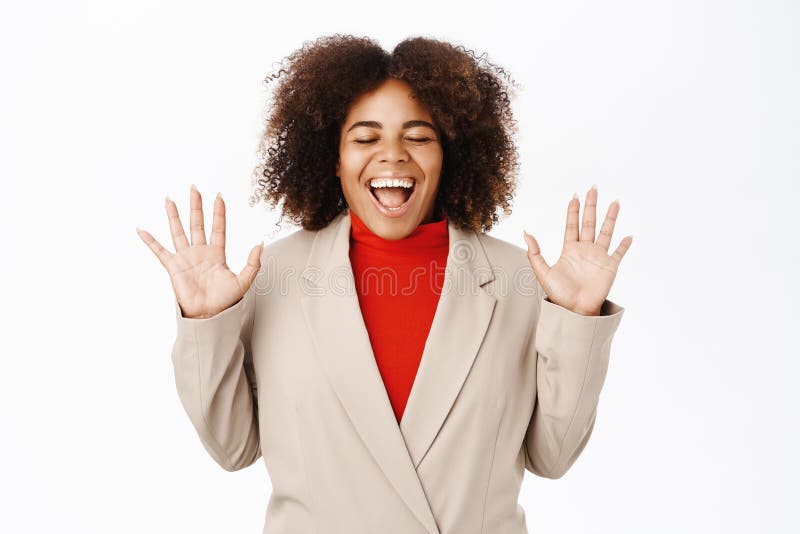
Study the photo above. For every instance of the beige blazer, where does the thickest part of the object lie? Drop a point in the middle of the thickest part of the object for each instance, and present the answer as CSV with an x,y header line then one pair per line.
x,y
508,381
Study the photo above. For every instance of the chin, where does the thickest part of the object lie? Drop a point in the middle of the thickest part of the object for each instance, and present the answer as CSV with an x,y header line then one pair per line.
x,y
393,229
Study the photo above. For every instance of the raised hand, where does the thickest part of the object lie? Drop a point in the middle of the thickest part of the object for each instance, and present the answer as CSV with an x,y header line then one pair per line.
x,y
201,279
581,278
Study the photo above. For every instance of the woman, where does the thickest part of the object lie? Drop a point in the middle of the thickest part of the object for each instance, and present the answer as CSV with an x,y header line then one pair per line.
x,y
412,410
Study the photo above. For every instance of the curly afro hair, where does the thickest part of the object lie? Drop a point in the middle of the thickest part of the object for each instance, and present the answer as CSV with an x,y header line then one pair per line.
x,y
467,96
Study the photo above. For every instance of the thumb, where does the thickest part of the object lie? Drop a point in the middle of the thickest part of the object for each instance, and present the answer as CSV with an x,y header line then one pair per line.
x,y
535,257
250,270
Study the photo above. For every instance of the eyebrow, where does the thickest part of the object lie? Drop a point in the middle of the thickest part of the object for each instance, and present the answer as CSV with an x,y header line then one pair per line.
x,y
407,124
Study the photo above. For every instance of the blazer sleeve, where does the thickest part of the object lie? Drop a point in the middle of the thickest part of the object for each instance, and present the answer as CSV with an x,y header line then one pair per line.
x,y
216,382
572,353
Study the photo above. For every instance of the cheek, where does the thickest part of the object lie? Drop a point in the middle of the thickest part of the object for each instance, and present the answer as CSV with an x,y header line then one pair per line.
x,y
349,184
350,170
351,162
431,162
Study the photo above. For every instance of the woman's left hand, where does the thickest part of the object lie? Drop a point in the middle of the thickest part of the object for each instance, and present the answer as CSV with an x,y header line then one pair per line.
x,y
581,278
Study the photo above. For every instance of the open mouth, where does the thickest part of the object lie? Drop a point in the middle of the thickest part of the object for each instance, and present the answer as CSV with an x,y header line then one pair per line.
x,y
392,198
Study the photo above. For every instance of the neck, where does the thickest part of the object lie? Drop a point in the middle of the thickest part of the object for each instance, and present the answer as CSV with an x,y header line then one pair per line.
x,y
427,236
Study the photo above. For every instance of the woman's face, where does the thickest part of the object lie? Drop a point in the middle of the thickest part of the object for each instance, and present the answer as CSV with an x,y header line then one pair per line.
x,y
389,134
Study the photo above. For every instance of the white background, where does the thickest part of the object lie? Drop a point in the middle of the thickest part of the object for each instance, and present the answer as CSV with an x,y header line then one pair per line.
x,y
686,111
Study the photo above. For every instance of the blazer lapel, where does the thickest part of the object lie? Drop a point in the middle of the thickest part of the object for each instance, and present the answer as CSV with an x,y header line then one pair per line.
x,y
459,325
337,328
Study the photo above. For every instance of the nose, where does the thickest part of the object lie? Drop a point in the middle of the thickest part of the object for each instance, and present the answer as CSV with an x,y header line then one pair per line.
x,y
393,151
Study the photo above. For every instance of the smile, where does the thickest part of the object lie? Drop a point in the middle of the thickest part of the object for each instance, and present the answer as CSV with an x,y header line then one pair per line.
x,y
393,200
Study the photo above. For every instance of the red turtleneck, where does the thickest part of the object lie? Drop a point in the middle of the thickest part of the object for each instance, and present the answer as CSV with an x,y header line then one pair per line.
x,y
398,285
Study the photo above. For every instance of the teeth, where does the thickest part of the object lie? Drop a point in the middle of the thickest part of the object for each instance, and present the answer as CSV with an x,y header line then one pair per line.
x,y
392,182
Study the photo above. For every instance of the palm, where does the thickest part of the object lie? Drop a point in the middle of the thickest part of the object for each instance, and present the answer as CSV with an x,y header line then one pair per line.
x,y
582,277
200,277
202,281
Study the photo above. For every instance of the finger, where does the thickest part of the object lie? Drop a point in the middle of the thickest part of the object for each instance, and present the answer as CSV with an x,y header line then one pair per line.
x,y
573,208
250,270
196,217
163,255
622,248
589,215
218,223
604,239
538,264
175,226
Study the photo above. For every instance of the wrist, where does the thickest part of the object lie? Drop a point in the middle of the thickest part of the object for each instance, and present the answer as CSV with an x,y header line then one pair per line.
x,y
579,309
589,312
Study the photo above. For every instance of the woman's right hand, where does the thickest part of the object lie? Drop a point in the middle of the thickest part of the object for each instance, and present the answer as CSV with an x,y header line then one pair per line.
x,y
202,281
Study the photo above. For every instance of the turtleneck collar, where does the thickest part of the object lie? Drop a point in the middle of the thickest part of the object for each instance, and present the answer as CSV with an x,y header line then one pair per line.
x,y
425,237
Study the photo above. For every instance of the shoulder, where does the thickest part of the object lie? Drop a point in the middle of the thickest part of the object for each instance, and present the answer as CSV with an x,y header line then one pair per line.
x,y
510,264
290,248
282,263
284,259
503,253
293,249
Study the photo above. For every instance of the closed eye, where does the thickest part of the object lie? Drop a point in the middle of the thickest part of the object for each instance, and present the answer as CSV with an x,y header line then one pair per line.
x,y
415,140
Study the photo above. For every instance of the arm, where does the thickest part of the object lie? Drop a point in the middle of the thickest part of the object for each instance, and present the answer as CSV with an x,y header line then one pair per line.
x,y
572,353
213,363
